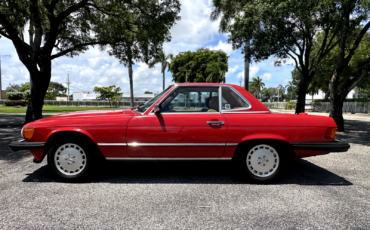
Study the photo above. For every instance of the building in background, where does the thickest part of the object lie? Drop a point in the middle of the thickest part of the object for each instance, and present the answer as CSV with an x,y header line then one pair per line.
x,y
3,95
137,97
61,98
85,96
321,95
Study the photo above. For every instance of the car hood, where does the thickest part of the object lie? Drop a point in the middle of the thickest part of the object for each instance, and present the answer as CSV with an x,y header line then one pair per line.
x,y
91,113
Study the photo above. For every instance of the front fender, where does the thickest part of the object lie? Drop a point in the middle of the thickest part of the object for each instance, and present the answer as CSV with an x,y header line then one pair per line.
x,y
71,129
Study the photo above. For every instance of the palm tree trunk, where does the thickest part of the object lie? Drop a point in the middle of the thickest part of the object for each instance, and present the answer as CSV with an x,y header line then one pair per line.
x,y
164,79
131,83
246,70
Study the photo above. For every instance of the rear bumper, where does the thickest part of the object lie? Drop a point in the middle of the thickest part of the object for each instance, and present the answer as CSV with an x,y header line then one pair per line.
x,y
23,145
335,146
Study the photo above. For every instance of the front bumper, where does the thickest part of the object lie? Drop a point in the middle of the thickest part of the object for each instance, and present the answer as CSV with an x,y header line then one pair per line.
x,y
23,145
335,146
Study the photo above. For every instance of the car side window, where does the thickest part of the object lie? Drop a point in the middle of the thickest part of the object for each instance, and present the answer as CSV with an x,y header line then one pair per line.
x,y
232,100
192,100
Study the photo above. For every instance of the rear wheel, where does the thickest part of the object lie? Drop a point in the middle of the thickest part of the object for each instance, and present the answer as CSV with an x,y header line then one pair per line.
x,y
70,160
261,163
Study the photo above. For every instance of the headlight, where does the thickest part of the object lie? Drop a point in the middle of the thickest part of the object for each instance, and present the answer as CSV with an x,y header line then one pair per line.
x,y
27,133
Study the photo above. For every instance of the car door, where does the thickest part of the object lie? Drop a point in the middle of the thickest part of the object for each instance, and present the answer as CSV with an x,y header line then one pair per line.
x,y
189,125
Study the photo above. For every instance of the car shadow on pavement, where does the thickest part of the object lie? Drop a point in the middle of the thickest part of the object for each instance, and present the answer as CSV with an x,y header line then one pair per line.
x,y
299,172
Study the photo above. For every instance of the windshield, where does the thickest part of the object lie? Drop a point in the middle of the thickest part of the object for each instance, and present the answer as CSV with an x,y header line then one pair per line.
x,y
149,103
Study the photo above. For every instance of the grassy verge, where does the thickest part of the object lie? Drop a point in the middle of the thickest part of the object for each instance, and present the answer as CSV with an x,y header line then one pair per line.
x,y
52,109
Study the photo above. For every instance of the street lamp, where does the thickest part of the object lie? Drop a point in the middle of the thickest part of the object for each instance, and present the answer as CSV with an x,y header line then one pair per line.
x,y
1,88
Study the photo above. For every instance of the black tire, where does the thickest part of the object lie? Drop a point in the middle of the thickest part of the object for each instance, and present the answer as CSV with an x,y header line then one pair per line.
x,y
261,162
71,160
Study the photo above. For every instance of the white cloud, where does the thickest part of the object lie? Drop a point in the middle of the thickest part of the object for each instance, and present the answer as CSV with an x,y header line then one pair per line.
x,y
224,46
253,70
266,76
95,68
232,70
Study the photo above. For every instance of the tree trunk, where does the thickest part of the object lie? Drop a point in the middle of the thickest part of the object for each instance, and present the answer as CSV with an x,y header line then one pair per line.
x,y
164,79
39,82
301,101
131,83
246,70
336,111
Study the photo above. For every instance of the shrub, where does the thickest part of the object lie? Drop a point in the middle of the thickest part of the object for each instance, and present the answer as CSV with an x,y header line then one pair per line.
x,y
14,95
19,95
290,105
16,103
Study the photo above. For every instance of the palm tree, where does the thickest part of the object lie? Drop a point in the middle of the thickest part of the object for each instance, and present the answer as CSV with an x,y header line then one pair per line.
x,y
216,72
279,89
258,84
162,58
290,87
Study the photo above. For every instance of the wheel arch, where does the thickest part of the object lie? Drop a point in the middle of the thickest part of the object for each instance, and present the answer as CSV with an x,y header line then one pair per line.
x,y
278,143
56,135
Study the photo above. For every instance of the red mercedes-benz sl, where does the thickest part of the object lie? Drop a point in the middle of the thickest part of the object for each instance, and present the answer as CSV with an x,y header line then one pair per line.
x,y
187,121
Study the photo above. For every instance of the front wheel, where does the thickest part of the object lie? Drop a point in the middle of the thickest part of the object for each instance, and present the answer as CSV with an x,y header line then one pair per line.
x,y
70,161
261,163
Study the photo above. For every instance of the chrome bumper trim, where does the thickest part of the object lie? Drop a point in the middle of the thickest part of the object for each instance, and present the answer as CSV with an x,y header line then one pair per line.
x,y
167,158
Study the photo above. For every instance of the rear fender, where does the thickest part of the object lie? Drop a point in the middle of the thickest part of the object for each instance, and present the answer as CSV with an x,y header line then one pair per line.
x,y
260,136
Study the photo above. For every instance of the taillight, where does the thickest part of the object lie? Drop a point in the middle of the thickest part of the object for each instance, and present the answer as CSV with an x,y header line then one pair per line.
x,y
27,133
330,133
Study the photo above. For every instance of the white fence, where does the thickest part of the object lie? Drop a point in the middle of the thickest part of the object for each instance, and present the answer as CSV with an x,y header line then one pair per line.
x,y
348,107
275,105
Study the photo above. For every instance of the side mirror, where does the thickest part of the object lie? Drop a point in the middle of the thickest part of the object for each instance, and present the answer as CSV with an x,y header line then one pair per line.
x,y
157,108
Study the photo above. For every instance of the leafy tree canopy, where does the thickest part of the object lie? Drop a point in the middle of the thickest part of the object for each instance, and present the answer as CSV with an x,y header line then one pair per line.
x,y
327,65
196,63
281,28
110,93
67,27
13,88
148,92
57,89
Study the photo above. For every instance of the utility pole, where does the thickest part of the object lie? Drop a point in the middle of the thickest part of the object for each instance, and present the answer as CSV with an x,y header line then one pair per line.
x,y
1,88
68,83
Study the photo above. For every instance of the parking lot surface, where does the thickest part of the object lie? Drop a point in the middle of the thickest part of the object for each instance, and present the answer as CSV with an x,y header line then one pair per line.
x,y
323,192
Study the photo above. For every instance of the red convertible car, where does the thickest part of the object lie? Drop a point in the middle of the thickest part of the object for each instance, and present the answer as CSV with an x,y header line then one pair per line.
x,y
185,122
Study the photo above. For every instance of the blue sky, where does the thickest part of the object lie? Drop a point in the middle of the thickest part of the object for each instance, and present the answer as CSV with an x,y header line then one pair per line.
x,y
95,68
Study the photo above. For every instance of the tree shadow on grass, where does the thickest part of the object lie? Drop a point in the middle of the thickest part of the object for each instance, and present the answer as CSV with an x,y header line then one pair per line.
x,y
299,172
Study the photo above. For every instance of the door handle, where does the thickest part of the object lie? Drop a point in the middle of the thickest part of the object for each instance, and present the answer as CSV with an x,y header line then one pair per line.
x,y
215,122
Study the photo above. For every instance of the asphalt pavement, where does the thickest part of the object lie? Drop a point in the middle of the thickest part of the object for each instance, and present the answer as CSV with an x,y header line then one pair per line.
x,y
323,192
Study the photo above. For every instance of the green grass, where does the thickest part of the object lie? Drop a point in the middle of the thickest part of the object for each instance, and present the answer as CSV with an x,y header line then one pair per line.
x,y
52,109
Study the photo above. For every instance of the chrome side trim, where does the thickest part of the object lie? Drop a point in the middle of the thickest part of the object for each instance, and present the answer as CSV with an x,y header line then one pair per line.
x,y
167,158
112,144
204,113
232,144
249,112
172,144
